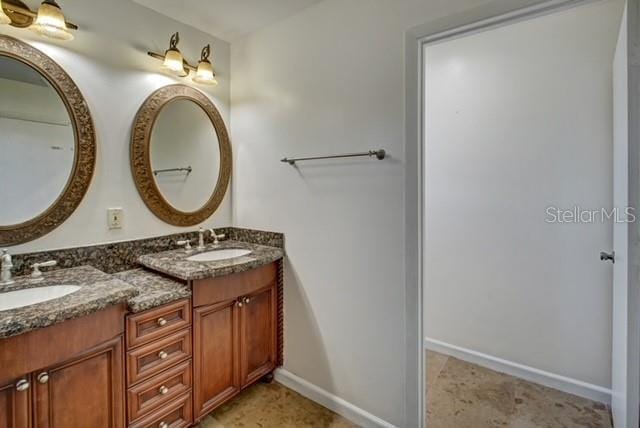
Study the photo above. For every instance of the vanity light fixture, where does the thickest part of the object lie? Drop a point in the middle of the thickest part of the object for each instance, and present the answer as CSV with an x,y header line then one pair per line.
x,y
174,62
48,21
204,73
4,19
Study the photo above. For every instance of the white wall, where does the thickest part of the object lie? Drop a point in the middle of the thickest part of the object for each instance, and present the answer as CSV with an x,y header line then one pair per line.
x,y
108,62
519,119
331,80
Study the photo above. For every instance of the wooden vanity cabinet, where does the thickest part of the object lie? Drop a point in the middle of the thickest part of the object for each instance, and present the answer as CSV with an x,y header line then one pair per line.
x,y
86,391
235,334
67,375
15,406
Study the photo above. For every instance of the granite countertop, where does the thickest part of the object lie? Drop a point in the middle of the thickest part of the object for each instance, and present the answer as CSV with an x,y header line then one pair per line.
x,y
154,289
175,263
97,291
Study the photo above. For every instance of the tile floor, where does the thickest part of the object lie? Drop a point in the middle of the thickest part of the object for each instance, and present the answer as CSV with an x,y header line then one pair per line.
x,y
459,395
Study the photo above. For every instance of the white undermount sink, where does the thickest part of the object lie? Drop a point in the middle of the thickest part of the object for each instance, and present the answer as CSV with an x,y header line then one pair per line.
x,y
217,255
31,296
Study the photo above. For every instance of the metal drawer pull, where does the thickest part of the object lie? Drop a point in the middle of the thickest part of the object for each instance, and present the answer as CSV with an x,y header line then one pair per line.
x,y
163,390
43,377
163,355
163,425
161,321
22,385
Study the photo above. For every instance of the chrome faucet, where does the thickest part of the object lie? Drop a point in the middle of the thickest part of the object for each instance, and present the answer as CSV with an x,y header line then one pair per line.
x,y
216,237
7,265
200,246
36,275
187,245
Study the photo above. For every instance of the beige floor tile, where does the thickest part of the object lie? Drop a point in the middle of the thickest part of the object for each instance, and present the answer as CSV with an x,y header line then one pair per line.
x,y
539,406
468,396
434,363
271,406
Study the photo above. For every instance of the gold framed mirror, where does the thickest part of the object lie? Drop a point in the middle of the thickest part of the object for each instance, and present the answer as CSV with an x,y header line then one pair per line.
x,y
48,143
180,155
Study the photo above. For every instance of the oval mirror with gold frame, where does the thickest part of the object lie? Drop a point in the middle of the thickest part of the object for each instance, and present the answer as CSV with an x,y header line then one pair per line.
x,y
180,155
48,143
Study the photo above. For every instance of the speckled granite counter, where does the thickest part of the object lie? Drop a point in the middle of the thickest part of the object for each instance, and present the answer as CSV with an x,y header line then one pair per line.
x,y
97,291
154,289
175,263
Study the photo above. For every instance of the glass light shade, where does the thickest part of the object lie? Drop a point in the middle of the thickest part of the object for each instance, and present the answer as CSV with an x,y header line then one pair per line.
x,y
4,19
174,62
50,22
204,74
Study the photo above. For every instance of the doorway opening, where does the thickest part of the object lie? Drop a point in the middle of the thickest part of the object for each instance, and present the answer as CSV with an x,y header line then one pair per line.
x,y
524,166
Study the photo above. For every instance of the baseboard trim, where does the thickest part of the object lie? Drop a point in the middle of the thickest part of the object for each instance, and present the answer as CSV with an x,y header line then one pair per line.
x,y
552,380
345,409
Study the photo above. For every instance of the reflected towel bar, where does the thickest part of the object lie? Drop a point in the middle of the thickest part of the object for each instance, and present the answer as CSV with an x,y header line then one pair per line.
x,y
159,171
380,154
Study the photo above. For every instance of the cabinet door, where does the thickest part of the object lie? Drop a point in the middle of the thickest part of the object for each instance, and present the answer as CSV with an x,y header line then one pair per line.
x,y
15,411
258,335
84,392
216,357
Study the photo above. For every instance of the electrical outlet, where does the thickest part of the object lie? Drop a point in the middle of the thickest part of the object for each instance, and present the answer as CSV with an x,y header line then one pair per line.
x,y
114,218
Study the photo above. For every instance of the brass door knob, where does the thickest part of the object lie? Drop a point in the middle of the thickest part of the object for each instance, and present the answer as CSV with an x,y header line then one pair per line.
x,y
163,390
163,355
22,385
43,377
161,321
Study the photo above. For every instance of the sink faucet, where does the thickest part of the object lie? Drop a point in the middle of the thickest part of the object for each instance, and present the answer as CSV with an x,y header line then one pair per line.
x,y
7,265
36,275
187,245
200,246
216,237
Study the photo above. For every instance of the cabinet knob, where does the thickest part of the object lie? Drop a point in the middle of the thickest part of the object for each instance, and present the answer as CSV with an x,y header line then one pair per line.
x,y
163,390
163,355
22,385
163,425
246,300
161,321
239,304
43,377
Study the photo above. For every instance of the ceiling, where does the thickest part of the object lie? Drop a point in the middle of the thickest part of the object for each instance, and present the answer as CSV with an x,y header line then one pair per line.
x,y
227,19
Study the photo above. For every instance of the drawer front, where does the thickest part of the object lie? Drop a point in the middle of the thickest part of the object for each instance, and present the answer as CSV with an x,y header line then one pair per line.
x,y
177,414
149,360
155,323
215,290
161,389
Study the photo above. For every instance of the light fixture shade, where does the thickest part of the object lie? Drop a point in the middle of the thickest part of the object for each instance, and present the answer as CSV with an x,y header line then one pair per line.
x,y
4,19
204,74
50,22
174,62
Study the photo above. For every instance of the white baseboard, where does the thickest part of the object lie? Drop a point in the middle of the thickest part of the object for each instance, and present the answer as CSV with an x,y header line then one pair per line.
x,y
345,409
552,380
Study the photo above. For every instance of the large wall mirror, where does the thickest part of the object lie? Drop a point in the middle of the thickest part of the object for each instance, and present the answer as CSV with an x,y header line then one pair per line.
x,y
47,143
180,155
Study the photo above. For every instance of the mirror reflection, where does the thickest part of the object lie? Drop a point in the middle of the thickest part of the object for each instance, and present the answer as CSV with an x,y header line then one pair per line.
x,y
37,143
185,155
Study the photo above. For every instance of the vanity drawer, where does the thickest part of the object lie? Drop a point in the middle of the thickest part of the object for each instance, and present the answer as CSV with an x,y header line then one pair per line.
x,y
159,390
155,323
216,290
151,359
177,414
